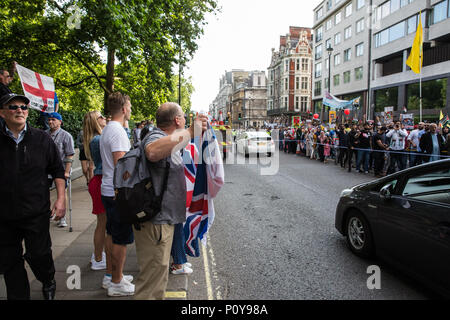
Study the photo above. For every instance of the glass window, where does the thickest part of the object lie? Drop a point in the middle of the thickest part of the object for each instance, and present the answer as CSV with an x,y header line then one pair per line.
x,y
433,186
412,25
319,34
318,52
395,5
359,4
337,38
346,76
297,103
305,67
305,83
348,33
434,94
385,98
328,25
347,55
318,71
336,80
385,9
327,63
397,31
319,13
297,83
360,25
298,64
338,18
329,4
348,10
404,3
318,88
337,59
359,73
384,37
439,12
360,49
328,43
304,102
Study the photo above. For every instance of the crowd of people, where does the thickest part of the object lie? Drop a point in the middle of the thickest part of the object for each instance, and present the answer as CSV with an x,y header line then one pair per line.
x,y
368,147
39,159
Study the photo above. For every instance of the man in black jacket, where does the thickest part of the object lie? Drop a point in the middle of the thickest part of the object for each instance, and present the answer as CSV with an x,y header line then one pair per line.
x,y
27,156
431,144
352,144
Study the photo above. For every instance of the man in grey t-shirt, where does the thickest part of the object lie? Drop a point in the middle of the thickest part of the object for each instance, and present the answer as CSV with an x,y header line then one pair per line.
x,y
154,239
64,143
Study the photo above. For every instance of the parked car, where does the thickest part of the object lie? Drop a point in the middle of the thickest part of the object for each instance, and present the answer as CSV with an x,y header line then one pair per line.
x,y
403,218
255,142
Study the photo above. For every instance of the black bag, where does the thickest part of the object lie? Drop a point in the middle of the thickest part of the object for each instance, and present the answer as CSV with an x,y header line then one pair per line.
x,y
135,198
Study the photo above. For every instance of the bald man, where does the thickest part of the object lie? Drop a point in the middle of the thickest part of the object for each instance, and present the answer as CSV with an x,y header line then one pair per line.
x,y
154,238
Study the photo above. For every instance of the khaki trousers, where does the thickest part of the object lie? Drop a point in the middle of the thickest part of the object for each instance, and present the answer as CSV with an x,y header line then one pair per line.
x,y
153,245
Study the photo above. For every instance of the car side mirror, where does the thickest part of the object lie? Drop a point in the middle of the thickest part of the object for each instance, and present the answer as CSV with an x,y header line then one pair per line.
x,y
385,192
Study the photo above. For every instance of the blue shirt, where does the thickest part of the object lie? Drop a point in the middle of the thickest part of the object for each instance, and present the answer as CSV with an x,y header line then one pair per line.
x,y
436,149
21,134
94,147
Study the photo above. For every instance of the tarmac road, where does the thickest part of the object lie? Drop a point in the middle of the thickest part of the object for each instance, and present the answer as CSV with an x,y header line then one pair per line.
x,y
274,238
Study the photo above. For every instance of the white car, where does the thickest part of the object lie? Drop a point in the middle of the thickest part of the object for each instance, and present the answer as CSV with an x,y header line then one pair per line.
x,y
255,142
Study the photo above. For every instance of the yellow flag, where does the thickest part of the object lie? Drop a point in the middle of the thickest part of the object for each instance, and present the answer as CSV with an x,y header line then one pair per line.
x,y
441,116
415,59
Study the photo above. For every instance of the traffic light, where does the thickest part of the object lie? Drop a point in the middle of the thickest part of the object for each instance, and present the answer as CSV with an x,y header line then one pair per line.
x,y
239,117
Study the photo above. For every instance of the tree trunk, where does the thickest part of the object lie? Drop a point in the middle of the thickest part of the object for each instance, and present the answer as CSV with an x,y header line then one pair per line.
x,y
109,76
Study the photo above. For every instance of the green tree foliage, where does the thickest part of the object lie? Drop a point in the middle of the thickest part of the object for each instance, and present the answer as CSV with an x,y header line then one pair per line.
x,y
186,92
127,46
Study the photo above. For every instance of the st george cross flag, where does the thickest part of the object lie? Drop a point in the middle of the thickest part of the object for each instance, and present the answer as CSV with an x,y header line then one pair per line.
x,y
204,179
38,88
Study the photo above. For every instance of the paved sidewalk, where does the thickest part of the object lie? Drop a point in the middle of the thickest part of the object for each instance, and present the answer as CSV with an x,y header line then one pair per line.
x,y
75,249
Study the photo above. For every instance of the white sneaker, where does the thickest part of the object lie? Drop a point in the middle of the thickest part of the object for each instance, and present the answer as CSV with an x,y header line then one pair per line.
x,y
98,265
106,283
184,270
62,223
123,288
188,264
103,257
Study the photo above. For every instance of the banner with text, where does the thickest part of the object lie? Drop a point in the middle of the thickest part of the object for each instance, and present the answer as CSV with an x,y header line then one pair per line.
x,y
39,88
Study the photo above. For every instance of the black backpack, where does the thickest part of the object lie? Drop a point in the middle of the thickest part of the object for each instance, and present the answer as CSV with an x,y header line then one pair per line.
x,y
135,196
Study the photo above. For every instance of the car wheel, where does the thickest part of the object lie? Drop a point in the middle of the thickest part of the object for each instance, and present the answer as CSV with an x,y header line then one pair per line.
x,y
359,235
269,154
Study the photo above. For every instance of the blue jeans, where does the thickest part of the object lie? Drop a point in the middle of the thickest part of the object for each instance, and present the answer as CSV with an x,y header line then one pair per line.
x,y
178,252
363,155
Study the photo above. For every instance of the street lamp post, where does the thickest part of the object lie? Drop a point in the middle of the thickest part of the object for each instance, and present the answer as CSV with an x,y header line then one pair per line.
x,y
330,52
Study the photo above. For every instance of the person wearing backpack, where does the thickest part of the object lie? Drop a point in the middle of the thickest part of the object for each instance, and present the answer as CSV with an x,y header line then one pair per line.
x,y
154,238
114,143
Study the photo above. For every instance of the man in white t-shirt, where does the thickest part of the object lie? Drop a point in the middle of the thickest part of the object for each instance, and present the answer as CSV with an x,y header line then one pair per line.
x,y
114,143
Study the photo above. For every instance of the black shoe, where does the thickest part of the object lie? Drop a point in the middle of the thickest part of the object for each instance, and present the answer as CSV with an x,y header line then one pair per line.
x,y
48,290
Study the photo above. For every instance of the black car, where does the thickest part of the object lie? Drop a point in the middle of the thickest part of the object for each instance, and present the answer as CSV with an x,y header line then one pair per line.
x,y
403,218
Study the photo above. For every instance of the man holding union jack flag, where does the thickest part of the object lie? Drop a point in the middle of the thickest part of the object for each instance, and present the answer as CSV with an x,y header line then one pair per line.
x,y
154,239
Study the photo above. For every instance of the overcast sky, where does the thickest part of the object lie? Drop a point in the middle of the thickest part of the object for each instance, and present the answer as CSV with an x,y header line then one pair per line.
x,y
241,37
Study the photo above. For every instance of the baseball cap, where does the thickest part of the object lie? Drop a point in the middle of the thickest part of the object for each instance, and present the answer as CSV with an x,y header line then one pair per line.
x,y
11,96
55,115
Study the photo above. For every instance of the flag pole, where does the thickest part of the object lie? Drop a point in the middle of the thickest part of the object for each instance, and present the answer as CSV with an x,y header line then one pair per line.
x,y
420,86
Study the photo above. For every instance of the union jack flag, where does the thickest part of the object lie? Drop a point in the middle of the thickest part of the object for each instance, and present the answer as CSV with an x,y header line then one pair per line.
x,y
204,178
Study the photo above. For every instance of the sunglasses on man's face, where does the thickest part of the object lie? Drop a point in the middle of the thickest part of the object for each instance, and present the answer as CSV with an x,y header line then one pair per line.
x,y
14,107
